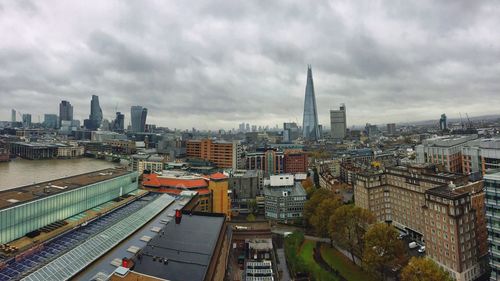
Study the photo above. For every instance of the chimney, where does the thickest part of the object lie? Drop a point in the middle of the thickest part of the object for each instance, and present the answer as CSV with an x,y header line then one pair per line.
x,y
178,216
125,263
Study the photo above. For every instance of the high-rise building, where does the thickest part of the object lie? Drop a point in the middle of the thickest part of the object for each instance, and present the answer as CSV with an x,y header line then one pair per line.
x,y
492,187
443,211
138,116
290,131
50,121
118,124
391,129
13,116
338,123
65,111
26,120
442,122
95,117
310,121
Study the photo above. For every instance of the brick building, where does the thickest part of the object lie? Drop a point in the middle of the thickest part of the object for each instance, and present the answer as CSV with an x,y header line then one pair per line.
x,y
222,153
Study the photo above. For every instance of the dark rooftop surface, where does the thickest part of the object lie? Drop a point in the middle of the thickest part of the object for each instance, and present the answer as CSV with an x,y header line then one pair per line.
x,y
447,192
188,248
23,194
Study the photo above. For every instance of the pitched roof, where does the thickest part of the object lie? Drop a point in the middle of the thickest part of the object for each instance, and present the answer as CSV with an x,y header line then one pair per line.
x,y
154,180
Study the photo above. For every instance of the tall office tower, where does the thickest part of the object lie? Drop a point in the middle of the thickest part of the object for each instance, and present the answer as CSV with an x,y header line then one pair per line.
x,y
291,131
310,122
119,122
391,129
95,117
65,111
13,116
492,188
138,116
338,123
26,120
50,121
442,122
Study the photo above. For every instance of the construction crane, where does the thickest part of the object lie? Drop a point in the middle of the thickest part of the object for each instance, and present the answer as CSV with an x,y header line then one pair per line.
x,y
469,125
461,121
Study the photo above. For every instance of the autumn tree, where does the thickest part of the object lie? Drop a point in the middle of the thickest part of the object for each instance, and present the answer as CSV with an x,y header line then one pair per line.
x,y
308,185
317,197
423,269
319,220
347,226
382,249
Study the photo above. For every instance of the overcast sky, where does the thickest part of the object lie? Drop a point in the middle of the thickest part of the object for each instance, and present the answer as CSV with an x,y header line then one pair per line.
x,y
213,64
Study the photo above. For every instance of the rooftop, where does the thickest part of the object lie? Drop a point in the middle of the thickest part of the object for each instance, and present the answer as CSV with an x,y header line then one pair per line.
x,y
181,182
281,180
23,194
294,190
447,192
182,251
448,141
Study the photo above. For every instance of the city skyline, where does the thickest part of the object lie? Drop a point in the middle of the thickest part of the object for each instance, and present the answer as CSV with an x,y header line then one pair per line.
x,y
218,65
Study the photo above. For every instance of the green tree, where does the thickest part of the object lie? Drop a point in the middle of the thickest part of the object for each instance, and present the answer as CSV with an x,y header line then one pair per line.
x,y
423,269
251,217
317,197
383,249
321,217
348,225
252,206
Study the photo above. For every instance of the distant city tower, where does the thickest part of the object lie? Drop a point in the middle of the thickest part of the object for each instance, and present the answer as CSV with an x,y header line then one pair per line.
x,y
310,122
95,117
442,123
338,123
138,116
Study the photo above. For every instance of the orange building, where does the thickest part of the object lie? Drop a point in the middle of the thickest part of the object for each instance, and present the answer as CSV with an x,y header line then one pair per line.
x,y
219,186
212,192
224,154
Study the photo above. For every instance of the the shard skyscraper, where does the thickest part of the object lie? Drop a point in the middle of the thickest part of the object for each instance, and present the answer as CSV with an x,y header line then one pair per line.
x,y
310,122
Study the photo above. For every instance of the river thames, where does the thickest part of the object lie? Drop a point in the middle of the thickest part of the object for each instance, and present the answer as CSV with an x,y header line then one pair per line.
x,y
20,172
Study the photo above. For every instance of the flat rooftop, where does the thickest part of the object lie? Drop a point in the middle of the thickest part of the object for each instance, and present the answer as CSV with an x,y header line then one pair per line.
x,y
23,194
182,251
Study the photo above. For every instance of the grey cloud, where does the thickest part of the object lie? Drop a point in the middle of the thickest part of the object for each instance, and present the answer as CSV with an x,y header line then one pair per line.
x,y
215,64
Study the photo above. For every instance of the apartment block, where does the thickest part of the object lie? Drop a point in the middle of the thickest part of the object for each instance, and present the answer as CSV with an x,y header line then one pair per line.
x,y
444,211
480,156
445,151
224,154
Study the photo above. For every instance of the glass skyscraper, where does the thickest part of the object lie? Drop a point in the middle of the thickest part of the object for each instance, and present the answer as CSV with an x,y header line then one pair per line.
x,y
95,117
310,122
138,116
492,188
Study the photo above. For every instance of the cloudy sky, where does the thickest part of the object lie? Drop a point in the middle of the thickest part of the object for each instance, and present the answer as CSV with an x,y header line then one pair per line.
x,y
213,64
